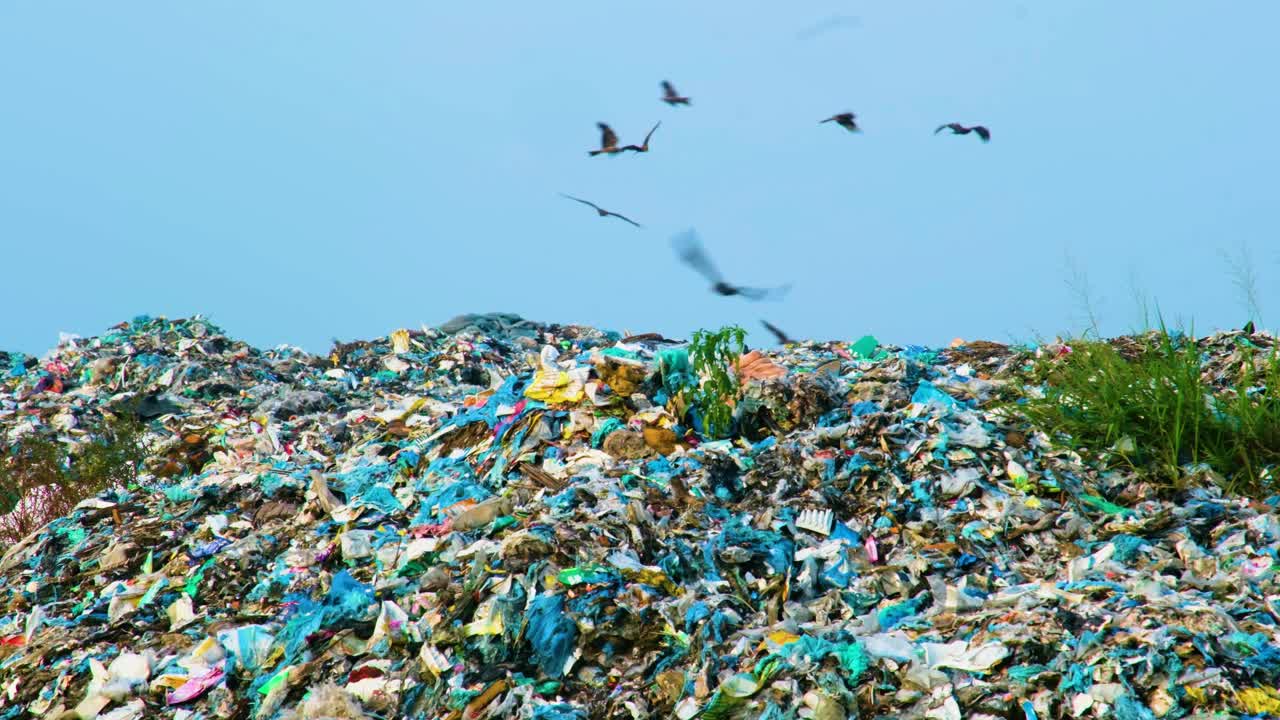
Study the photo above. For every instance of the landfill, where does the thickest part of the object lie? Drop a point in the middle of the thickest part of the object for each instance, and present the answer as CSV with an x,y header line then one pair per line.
x,y
500,518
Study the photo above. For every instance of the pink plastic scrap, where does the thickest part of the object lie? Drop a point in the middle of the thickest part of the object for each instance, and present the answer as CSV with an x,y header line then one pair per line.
x,y
437,530
195,687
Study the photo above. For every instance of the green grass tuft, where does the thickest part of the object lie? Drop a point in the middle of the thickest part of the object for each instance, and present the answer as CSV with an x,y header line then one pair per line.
x,y
1149,405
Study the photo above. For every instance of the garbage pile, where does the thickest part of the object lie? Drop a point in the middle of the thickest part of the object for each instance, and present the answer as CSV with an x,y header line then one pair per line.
x,y
498,518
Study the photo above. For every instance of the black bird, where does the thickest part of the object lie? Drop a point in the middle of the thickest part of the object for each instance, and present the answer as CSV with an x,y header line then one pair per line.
x,y
844,120
958,129
1248,328
644,147
689,248
608,141
671,97
601,211
782,337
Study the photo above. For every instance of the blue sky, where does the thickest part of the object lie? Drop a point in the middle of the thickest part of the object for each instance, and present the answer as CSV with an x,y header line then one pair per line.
x,y
304,170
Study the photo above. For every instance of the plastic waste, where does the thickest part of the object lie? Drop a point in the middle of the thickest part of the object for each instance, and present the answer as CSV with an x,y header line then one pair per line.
x,y
503,518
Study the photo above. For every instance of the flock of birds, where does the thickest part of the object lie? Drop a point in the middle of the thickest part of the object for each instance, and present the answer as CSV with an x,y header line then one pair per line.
x,y
687,245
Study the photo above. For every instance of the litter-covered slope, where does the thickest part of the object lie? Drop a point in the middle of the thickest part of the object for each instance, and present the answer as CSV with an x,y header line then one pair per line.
x,y
500,518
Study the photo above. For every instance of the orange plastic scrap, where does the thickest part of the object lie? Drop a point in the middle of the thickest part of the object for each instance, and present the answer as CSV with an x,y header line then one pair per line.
x,y
754,366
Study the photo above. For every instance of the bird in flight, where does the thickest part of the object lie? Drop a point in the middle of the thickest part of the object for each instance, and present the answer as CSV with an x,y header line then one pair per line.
x,y
958,129
601,211
831,22
844,120
671,97
689,248
608,141
782,337
644,147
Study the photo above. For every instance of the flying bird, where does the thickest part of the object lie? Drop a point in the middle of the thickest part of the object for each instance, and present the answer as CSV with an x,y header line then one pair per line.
x,y
844,120
644,147
958,129
608,141
830,23
601,211
782,337
671,97
689,248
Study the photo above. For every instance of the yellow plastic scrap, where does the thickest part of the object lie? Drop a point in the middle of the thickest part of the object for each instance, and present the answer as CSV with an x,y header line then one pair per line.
x,y
556,387
487,622
779,638
654,577
434,660
400,341
277,652
168,681
206,653
414,407
1259,700
1196,693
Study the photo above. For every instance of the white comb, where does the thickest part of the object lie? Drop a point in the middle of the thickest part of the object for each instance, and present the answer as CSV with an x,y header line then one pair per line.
x,y
818,521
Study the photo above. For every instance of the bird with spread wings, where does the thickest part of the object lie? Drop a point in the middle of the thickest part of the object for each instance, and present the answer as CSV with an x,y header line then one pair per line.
x,y
644,147
782,337
670,96
846,120
689,249
958,129
601,211
608,141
